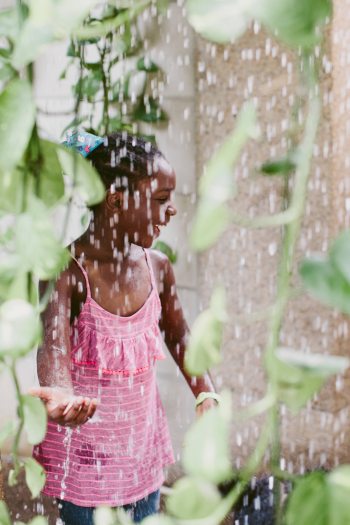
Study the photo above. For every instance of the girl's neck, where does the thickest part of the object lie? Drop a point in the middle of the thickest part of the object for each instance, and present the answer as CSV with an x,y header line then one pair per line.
x,y
97,244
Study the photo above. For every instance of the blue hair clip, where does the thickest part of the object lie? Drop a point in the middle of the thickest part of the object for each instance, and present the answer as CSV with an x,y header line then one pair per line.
x,y
82,141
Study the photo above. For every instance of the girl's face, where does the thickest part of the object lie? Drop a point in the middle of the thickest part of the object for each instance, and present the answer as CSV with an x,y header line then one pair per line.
x,y
141,215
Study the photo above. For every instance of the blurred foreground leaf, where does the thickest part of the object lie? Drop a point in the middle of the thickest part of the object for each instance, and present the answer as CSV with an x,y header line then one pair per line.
x,y
83,177
203,350
296,23
51,183
217,185
35,478
328,279
20,328
298,376
192,498
48,20
221,21
17,115
7,431
35,419
321,499
206,451
4,514
36,244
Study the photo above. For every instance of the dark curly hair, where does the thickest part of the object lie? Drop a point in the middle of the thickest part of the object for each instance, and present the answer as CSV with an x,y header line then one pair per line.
x,y
123,160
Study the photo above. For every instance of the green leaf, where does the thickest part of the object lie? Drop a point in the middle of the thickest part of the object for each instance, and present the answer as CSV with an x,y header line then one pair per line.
x,y
294,22
210,222
158,519
9,266
12,478
35,419
105,516
4,514
226,20
163,247
48,20
17,116
324,281
221,21
51,183
6,73
89,85
149,111
217,185
7,431
93,66
82,175
9,23
321,499
203,350
146,64
35,479
193,498
15,342
217,179
298,376
23,286
206,451
36,243
38,520
30,43
308,502
278,167
338,482
100,29
339,254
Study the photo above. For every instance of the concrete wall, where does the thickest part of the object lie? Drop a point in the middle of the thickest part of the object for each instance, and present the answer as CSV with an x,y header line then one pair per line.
x,y
259,68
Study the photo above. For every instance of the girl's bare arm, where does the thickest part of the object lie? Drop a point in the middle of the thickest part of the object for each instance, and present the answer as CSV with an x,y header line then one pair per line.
x,y
53,361
176,331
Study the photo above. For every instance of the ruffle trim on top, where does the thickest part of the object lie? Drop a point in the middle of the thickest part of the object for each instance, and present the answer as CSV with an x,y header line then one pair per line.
x,y
111,355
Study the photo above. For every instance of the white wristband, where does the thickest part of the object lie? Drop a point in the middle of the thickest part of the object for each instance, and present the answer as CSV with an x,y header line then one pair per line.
x,y
207,395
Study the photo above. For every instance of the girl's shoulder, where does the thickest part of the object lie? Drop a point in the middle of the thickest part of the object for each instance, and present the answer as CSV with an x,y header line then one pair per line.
x,y
160,261
163,270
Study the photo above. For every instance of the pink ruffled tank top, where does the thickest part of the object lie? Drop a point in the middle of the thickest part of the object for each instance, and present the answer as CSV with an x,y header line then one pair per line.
x,y
118,456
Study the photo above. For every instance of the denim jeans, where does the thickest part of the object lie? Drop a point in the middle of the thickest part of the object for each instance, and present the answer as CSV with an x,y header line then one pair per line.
x,y
72,514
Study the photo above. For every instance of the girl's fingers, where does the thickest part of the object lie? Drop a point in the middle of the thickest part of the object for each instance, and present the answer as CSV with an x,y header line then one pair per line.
x,y
55,412
68,407
92,408
72,412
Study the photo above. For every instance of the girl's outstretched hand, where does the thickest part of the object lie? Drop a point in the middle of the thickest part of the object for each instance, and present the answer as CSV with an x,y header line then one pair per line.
x,y
65,408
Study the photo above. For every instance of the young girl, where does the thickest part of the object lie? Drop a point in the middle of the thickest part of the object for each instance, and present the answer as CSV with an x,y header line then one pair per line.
x,y
102,339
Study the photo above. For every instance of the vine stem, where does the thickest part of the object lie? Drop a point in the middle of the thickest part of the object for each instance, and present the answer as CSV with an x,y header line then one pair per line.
x,y
20,413
298,199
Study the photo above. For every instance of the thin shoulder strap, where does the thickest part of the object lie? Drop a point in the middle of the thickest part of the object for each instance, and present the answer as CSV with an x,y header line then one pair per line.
x,y
150,267
88,291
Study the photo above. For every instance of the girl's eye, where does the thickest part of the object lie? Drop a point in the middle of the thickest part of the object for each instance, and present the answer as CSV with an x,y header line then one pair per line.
x,y
162,200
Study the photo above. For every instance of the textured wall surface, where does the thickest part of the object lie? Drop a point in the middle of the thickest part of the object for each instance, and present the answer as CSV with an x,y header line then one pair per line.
x,y
257,67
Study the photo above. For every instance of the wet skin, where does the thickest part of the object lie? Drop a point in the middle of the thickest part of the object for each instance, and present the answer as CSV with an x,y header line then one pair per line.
x,y
111,251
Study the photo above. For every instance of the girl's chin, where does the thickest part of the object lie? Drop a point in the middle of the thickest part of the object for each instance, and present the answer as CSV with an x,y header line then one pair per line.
x,y
145,242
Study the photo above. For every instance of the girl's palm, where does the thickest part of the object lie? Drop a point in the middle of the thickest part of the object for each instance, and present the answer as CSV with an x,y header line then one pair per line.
x,y
65,408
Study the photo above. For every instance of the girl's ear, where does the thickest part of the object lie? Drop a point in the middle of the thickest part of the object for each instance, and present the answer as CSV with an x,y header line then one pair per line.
x,y
114,200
